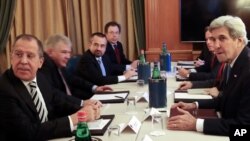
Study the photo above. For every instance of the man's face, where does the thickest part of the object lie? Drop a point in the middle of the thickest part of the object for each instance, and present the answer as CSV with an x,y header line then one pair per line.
x,y
209,41
226,48
113,34
98,46
60,54
25,60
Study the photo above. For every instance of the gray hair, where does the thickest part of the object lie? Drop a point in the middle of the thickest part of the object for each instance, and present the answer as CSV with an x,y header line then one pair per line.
x,y
235,26
54,39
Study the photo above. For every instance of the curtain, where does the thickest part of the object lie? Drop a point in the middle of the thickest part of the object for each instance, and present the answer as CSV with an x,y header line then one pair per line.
x,y
76,19
139,24
89,16
7,8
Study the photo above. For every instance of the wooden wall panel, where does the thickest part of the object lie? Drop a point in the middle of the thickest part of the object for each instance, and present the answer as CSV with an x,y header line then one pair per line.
x,y
163,24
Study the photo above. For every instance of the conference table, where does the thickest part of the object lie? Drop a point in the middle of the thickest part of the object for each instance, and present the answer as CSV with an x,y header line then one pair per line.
x,y
122,115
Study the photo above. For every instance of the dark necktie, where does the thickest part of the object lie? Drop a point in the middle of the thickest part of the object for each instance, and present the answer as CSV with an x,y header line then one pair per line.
x,y
117,54
228,71
65,83
101,66
40,107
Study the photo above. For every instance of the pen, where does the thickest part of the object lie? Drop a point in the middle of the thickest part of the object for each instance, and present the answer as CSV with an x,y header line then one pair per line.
x,y
119,97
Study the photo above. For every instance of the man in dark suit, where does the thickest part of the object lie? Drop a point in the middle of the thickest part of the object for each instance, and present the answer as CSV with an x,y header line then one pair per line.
x,y
114,48
96,67
207,71
28,104
229,37
57,53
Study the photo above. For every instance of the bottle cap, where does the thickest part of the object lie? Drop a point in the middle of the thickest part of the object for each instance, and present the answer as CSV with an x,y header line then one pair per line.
x,y
82,115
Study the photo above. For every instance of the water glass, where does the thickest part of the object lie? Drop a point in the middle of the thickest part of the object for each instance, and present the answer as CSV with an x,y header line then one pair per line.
x,y
131,105
157,122
113,130
140,82
163,74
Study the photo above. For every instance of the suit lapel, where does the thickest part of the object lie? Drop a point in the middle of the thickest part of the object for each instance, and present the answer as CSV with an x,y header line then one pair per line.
x,y
22,92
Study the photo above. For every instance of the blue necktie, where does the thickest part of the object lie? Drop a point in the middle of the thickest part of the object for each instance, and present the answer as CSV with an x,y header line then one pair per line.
x,y
101,66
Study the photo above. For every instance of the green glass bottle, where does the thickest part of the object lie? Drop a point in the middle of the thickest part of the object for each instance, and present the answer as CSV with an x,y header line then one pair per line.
x,y
82,130
156,71
142,59
164,48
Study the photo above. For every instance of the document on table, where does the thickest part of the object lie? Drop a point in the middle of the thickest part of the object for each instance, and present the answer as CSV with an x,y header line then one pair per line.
x,y
111,97
186,97
197,91
185,63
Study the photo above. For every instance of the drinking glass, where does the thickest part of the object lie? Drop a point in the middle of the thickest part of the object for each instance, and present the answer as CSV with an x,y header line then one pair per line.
x,y
113,131
131,105
140,82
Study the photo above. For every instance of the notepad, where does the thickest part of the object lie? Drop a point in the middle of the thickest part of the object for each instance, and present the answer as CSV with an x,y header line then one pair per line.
x,y
111,97
197,91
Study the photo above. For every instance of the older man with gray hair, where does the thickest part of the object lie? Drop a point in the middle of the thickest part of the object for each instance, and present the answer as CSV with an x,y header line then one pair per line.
x,y
230,40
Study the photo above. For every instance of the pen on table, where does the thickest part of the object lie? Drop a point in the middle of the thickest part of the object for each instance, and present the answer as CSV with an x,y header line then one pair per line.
x,y
118,97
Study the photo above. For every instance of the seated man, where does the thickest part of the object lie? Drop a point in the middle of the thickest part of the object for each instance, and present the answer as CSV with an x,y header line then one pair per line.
x,y
230,40
29,104
114,48
96,67
207,71
57,53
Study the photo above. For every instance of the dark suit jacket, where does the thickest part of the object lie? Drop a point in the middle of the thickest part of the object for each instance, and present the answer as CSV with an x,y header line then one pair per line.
x,y
89,69
19,115
209,73
233,103
79,87
110,52
205,55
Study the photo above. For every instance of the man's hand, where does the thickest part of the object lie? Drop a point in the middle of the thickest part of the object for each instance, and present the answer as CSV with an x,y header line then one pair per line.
x,y
184,106
129,73
134,64
185,121
214,92
185,85
103,88
92,102
183,72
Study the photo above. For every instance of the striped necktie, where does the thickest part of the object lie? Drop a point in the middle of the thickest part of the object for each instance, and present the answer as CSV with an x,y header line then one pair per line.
x,y
40,107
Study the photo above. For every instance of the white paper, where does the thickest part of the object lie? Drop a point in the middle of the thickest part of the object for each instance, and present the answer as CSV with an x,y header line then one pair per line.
x,y
185,67
185,62
152,111
197,91
134,124
191,96
146,138
109,96
144,97
98,124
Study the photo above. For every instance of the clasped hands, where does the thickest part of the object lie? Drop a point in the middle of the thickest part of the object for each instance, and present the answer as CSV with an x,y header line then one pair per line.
x,y
185,120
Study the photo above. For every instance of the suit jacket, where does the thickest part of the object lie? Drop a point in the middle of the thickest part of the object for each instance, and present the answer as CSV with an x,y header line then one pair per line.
x,y
79,87
205,55
18,111
110,52
233,103
89,69
209,73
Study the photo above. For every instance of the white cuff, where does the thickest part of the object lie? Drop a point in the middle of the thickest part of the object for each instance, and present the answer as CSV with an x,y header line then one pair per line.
x,y
71,124
121,78
199,125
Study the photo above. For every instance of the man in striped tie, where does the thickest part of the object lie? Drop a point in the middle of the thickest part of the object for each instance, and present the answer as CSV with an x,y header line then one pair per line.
x,y
29,104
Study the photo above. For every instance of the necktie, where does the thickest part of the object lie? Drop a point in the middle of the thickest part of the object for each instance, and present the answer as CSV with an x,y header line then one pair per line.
x,y
65,83
40,107
228,71
117,54
101,66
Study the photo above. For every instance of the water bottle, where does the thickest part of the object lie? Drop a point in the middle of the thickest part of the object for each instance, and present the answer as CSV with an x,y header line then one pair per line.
x,y
165,58
82,130
142,59
156,71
